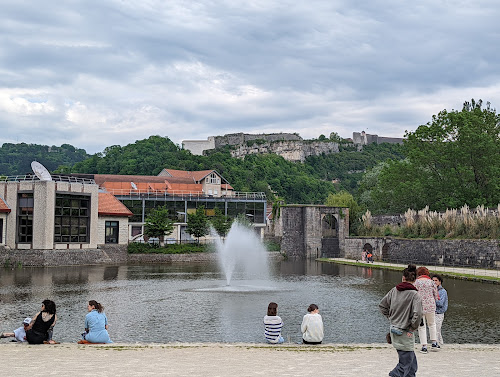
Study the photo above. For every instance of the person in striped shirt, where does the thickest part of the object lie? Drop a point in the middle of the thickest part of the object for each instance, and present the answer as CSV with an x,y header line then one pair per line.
x,y
273,325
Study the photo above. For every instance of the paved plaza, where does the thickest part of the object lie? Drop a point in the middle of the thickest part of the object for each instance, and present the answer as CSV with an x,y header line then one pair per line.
x,y
224,360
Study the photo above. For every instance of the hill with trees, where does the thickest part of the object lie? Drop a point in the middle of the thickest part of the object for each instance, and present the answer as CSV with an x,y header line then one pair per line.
x,y
15,159
308,182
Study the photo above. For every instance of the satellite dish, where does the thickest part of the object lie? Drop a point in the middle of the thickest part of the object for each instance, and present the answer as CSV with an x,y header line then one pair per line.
x,y
41,171
134,186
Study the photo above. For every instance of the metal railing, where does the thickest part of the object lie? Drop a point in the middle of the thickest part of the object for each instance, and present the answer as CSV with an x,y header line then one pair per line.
x,y
56,178
184,194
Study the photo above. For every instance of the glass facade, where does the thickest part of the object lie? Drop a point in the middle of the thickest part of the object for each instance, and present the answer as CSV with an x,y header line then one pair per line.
x,y
72,218
176,208
25,218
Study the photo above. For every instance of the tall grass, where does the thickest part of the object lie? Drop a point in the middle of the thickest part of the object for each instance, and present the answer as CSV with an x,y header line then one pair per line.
x,y
480,223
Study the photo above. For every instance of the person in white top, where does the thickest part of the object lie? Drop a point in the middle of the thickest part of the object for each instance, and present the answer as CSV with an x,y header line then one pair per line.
x,y
19,333
312,326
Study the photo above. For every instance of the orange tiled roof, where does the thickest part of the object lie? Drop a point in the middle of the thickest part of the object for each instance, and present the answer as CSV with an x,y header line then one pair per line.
x,y
3,206
110,206
101,178
196,175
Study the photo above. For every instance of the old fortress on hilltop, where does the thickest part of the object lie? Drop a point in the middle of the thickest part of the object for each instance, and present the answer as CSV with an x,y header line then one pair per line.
x,y
288,145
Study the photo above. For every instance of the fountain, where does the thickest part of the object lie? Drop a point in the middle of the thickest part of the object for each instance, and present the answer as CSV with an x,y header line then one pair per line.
x,y
243,252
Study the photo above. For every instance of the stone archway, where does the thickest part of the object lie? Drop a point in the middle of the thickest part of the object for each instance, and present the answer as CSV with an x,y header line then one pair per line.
x,y
385,252
368,248
329,226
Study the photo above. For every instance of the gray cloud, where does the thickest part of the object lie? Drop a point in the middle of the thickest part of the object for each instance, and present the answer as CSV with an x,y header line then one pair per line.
x,y
98,73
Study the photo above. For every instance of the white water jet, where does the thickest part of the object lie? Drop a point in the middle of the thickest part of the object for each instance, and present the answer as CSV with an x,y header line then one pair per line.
x,y
242,251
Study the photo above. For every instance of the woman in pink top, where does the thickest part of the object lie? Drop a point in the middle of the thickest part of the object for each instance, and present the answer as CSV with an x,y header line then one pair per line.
x,y
428,292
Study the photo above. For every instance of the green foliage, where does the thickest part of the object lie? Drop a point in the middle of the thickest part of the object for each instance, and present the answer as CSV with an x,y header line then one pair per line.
x,y
256,142
272,246
15,159
349,165
157,223
243,220
197,223
335,137
146,248
451,161
221,223
346,200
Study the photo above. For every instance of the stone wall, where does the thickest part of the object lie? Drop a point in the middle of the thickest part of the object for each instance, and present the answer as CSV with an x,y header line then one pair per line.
x,y
197,147
302,233
69,257
241,138
289,150
468,253
122,229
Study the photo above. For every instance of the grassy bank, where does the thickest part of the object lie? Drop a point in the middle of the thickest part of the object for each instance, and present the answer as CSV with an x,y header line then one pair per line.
x,y
385,266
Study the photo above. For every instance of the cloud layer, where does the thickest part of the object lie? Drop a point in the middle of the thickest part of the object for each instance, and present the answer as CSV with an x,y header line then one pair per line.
x,y
105,72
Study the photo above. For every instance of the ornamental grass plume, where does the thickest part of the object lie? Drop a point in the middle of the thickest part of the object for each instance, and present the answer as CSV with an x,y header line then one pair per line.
x,y
367,219
409,217
449,220
466,216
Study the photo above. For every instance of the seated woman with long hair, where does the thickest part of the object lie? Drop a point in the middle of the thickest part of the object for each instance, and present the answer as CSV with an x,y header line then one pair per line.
x,y
41,326
96,324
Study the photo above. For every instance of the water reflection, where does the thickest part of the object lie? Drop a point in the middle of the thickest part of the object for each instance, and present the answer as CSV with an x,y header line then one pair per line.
x,y
189,302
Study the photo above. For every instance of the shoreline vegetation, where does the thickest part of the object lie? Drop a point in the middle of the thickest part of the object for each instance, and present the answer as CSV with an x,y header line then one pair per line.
x,y
463,223
446,271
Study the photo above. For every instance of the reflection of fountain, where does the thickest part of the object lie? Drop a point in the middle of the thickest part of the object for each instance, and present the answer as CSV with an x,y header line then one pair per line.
x,y
242,251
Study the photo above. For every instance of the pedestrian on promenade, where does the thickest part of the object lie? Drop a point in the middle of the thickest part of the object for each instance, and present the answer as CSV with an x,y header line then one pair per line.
x,y
19,333
429,294
312,326
96,324
441,305
273,325
402,305
42,325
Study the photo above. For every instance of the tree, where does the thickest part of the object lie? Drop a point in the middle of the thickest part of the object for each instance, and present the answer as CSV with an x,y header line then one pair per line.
x,y
346,200
197,223
221,223
158,224
335,137
451,161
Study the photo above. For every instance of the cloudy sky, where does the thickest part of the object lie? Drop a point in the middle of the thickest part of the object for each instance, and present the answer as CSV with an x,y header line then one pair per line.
x,y
95,73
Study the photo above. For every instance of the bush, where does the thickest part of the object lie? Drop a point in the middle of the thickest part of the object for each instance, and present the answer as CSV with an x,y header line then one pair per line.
x,y
146,248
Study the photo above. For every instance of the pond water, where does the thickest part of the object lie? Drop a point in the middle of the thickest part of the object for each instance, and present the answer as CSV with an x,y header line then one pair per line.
x,y
192,303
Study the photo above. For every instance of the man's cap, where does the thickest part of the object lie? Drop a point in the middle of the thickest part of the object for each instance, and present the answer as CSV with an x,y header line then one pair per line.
x,y
27,320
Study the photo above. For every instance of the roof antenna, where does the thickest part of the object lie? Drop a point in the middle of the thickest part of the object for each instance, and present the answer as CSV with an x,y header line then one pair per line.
x,y
41,171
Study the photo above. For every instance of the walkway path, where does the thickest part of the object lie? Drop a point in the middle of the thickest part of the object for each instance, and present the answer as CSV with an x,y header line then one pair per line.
x,y
240,360
477,272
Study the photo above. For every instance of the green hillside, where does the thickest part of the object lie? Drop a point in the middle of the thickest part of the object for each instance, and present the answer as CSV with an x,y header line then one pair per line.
x,y
308,182
15,159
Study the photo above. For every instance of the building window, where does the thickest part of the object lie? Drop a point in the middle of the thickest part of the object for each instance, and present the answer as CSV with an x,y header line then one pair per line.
x,y
111,232
72,218
136,230
213,179
25,218
1,231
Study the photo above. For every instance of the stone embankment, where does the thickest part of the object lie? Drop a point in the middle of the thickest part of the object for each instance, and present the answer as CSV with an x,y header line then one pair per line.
x,y
241,360
104,255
